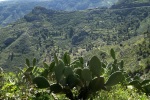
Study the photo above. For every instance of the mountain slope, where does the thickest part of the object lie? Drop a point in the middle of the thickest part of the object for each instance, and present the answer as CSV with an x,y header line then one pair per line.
x,y
13,10
131,3
43,32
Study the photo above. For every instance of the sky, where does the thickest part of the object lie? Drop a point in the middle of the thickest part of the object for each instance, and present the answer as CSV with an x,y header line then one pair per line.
x,y
4,0
16,0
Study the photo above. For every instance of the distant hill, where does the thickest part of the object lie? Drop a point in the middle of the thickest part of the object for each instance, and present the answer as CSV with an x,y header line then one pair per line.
x,y
10,10
131,3
42,32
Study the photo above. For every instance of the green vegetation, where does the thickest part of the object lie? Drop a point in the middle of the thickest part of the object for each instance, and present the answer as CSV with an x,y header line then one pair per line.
x,y
70,56
43,31
75,80
12,11
131,3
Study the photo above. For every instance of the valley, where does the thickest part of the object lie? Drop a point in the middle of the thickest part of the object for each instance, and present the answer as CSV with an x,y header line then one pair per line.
x,y
44,31
12,10
74,30
110,45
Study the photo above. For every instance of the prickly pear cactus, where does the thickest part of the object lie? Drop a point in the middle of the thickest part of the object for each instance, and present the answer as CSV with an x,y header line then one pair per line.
x,y
121,64
85,79
115,78
28,62
41,82
34,62
68,71
86,74
113,55
52,67
59,69
78,71
72,81
56,88
66,59
95,66
96,84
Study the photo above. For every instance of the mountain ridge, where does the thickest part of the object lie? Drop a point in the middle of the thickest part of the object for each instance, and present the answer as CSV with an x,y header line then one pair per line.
x,y
11,11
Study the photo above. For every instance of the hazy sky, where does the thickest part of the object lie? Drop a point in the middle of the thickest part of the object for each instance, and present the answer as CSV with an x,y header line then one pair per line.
x,y
3,0
22,0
